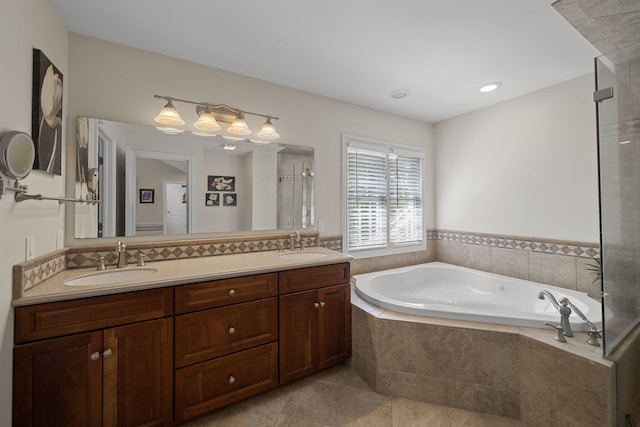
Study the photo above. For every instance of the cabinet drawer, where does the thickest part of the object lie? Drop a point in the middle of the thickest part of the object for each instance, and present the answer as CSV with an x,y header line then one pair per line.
x,y
67,317
200,296
303,279
209,385
213,333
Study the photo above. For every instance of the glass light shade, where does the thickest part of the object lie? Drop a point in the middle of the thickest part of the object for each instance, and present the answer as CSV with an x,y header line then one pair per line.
x,y
207,122
268,131
239,126
169,116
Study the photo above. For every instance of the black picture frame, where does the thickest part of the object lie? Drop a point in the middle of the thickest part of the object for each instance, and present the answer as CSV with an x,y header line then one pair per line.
x,y
212,199
46,114
221,183
147,195
229,199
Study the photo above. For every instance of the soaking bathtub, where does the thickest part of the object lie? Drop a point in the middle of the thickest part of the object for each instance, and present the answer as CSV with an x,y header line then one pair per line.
x,y
448,291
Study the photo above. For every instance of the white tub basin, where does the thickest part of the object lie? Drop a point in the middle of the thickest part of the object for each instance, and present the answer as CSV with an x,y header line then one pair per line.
x,y
301,256
110,276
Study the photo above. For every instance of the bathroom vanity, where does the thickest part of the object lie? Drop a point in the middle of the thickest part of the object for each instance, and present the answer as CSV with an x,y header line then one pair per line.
x,y
164,355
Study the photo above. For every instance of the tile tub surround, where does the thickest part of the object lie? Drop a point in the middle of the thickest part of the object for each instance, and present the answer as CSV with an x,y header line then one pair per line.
x,y
558,263
515,372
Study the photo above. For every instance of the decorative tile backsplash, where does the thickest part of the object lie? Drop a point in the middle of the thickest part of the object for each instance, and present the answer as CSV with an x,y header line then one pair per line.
x,y
558,247
30,273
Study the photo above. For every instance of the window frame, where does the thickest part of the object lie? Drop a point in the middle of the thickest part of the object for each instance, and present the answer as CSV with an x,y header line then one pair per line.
x,y
381,147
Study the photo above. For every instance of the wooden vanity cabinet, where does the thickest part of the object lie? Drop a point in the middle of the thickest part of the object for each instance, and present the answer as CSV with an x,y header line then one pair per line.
x,y
115,368
226,346
315,323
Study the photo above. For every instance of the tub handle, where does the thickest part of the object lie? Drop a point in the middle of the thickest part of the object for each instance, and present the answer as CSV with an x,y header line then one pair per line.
x,y
559,332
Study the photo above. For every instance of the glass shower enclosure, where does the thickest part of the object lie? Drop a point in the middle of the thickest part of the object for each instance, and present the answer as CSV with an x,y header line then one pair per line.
x,y
617,99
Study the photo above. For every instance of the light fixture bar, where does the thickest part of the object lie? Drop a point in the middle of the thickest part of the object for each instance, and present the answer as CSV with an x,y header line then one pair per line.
x,y
216,107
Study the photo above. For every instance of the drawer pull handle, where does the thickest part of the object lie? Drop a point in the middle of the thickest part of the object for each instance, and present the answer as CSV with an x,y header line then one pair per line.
x,y
232,379
232,292
95,356
321,303
232,330
107,353
316,305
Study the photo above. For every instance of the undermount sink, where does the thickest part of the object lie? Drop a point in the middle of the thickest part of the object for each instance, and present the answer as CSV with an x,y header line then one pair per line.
x,y
300,256
110,276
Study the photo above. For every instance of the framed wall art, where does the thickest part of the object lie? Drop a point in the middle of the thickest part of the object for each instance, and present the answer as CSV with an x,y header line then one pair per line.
x,y
221,183
46,114
229,199
212,199
147,195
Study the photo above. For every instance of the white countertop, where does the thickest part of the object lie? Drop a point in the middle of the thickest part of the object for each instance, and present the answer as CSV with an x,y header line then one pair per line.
x,y
174,272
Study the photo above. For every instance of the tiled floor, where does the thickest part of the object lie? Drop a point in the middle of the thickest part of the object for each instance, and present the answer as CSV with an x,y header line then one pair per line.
x,y
338,397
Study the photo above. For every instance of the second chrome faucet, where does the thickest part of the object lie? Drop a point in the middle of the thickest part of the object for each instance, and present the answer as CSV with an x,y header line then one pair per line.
x,y
121,250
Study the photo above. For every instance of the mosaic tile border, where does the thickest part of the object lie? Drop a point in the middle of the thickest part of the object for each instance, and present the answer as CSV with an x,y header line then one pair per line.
x,y
558,247
30,273
161,251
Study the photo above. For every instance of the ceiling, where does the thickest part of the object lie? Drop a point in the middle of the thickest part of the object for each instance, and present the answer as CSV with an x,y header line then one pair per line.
x,y
357,51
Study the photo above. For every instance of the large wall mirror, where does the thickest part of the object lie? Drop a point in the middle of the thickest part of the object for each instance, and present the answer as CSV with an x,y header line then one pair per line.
x,y
151,183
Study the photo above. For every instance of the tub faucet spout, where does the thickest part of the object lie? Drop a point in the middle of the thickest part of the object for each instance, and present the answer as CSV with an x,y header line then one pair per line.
x,y
565,311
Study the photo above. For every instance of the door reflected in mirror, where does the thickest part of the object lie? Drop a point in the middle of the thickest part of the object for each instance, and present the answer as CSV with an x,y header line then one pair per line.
x,y
273,183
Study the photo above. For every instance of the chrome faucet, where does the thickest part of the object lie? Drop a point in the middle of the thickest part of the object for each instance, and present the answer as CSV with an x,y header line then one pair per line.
x,y
121,249
293,237
593,332
565,312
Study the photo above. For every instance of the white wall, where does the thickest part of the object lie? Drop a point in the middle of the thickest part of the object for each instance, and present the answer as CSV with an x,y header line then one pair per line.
x,y
115,82
25,25
524,167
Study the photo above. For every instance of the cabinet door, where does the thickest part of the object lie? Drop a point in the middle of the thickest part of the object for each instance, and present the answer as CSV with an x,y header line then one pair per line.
x,y
298,335
56,382
334,333
138,374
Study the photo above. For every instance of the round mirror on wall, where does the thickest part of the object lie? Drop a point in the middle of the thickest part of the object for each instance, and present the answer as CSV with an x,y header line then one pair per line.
x,y
17,153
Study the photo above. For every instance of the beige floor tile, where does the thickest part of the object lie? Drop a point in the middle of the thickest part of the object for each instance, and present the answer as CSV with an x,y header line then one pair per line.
x,y
209,420
316,401
242,415
333,375
357,405
462,418
273,400
292,421
410,413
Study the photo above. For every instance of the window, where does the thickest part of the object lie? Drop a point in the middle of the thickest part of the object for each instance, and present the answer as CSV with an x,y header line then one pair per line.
x,y
382,197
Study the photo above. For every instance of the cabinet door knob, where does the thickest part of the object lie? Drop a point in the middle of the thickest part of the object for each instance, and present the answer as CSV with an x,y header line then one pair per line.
x,y
107,353
232,379
316,305
232,292
95,356
232,330
321,303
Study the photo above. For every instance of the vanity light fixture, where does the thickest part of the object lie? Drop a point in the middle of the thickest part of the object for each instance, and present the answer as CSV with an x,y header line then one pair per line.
x,y
207,122
169,115
490,87
239,126
210,116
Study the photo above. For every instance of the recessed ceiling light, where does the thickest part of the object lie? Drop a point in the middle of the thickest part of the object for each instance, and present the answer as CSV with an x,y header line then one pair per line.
x,y
490,87
399,94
